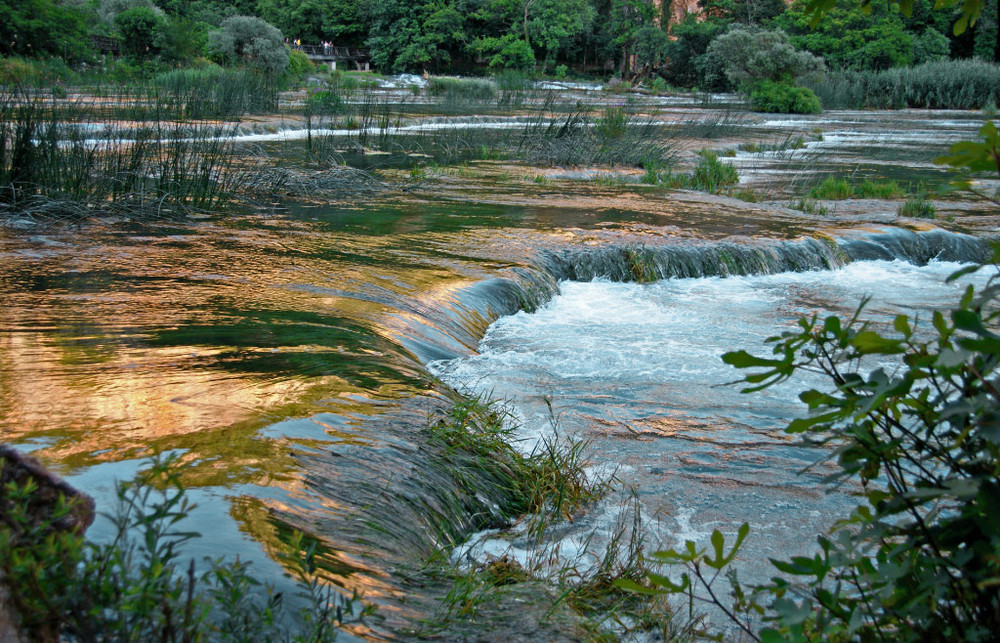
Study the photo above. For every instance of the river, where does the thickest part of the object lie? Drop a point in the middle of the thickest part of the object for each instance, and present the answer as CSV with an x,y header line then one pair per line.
x,y
292,356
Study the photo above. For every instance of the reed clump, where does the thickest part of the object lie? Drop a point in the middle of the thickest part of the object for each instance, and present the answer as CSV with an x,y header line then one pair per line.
x,y
949,84
54,165
461,89
837,188
219,93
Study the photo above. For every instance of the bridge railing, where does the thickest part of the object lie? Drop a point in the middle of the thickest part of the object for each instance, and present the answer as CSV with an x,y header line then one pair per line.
x,y
343,53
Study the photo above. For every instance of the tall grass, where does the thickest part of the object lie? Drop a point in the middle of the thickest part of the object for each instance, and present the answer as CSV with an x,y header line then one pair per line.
x,y
461,89
218,93
952,84
53,165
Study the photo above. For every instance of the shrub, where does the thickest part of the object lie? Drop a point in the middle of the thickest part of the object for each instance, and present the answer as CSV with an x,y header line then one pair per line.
x,y
140,28
137,587
711,174
911,415
745,56
244,40
783,98
298,66
324,101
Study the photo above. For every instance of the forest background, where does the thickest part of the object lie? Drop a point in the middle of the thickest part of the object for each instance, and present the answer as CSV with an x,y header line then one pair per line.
x,y
626,38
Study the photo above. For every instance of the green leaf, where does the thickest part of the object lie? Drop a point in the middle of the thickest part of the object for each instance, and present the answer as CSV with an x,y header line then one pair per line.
x,y
668,585
869,342
743,359
632,586
902,325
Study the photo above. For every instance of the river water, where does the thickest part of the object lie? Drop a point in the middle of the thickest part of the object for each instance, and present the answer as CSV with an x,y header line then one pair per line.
x,y
293,356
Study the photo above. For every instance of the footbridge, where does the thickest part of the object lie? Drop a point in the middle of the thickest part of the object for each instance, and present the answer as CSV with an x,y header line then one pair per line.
x,y
330,54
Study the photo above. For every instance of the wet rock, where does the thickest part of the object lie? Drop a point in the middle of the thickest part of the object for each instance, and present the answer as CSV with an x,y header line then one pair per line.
x,y
19,468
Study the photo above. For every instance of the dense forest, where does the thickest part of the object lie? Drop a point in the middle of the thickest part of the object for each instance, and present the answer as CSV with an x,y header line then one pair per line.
x,y
622,37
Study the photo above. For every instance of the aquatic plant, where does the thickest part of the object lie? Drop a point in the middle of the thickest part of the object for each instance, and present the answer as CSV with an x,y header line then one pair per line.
x,y
947,84
218,93
461,89
917,206
834,188
711,174
810,206
51,167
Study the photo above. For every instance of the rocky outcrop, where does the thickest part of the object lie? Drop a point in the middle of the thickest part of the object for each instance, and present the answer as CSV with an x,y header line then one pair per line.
x,y
18,468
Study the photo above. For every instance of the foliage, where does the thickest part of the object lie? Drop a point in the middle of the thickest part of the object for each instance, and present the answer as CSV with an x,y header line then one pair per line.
x,y
953,84
651,46
551,481
324,101
136,586
613,122
109,10
972,157
244,40
181,41
50,168
918,207
469,89
553,24
691,40
298,65
870,36
711,174
313,21
911,415
745,56
219,93
783,98
140,28
16,71
508,52
39,27
832,188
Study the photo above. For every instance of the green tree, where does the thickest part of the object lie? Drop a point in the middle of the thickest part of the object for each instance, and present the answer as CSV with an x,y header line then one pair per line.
x,y
850,38
651,46
244,40
627,18
746,55
140,28
691,40
314,21
37,27
553,24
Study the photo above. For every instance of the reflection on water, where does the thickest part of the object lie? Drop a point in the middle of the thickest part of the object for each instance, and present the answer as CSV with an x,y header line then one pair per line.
x,y
282,354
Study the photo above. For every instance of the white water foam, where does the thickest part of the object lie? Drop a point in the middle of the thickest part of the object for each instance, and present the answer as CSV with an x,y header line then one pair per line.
x,y
636,370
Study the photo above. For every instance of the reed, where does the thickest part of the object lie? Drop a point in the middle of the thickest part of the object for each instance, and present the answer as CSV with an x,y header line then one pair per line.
x,y
52,165
218,93
952,84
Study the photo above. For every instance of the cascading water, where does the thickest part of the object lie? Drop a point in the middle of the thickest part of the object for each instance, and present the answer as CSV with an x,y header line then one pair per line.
x,y
635,370
285,362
